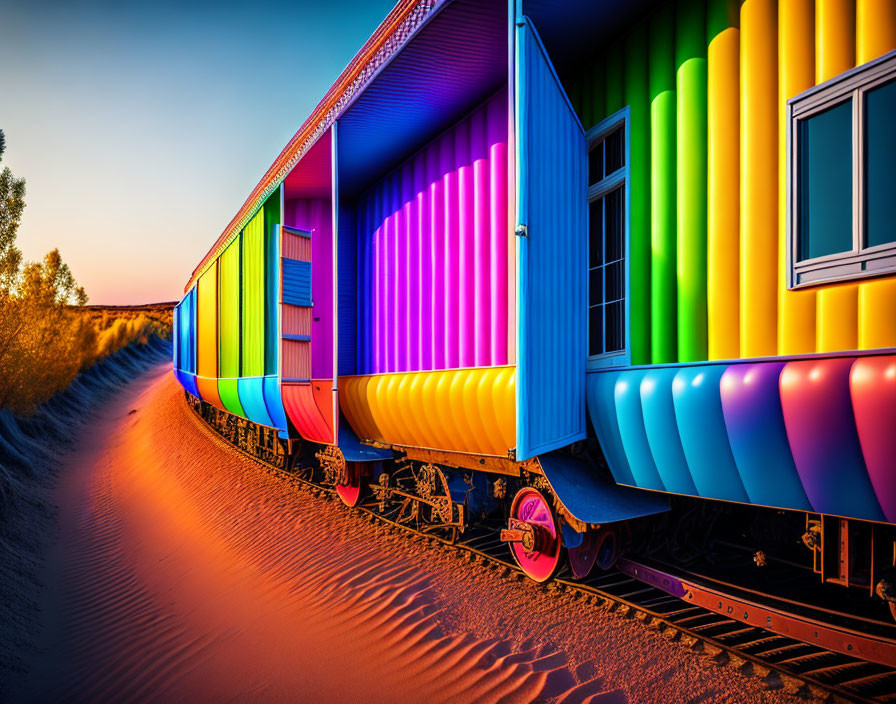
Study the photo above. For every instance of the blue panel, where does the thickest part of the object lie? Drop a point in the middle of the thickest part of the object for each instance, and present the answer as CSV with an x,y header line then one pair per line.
x,y
251,393
551,286
602,409
347,291
175,336
354,451
662,431
296,282
188,381
274,402
592,498
631,429
751,402
453,63
704,437
185,333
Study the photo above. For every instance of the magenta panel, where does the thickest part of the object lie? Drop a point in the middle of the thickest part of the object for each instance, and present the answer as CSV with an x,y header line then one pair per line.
x,y
872,384
315,215
433,240
821,428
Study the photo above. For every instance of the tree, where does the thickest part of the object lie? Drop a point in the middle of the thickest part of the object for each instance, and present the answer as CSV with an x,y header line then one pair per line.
x,y
12,204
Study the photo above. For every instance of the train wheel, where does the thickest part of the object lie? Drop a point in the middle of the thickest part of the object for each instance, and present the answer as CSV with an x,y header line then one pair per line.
x,y
350,492
534,535
581,558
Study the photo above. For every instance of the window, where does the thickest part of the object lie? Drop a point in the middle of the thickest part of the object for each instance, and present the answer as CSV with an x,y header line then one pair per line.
x,y
607,240
843,176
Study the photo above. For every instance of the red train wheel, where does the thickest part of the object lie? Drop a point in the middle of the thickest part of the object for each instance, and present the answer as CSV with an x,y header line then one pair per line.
x,y
350,492
534,535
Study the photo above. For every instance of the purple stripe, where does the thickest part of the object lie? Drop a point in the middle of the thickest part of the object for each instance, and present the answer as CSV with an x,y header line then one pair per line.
x,y
438,265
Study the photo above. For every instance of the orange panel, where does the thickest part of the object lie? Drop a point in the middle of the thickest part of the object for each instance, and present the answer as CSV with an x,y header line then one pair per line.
x,y
835,38
460,410
208,390
837,318
310,408
875,29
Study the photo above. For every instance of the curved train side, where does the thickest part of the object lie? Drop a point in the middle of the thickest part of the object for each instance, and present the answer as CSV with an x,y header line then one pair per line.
x,y
478,294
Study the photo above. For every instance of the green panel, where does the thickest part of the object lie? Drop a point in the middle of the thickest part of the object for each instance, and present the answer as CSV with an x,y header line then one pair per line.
x,y
663,106
690,57
636,97
615,96
253,297
272,283
720,15
229,396
229,311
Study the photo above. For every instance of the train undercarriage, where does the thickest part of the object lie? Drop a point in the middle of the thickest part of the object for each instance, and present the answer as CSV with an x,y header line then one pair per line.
x,y
821,567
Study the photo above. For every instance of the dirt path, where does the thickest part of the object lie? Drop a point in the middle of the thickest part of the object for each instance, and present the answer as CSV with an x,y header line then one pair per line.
x,y
185,572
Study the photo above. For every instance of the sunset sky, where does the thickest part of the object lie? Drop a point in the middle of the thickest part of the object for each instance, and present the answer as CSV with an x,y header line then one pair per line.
x,y
141,128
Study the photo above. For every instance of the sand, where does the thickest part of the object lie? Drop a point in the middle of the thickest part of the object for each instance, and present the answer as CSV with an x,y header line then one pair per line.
x,y
184,571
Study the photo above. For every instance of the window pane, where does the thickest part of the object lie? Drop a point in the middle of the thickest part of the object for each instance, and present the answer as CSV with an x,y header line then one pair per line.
x,y
596,233
613,225
615,313
595,331
596,163
614,281
615,153
596,286
825,183
880,165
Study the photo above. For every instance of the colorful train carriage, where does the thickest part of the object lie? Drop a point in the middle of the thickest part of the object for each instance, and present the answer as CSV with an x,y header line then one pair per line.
x,y
633,256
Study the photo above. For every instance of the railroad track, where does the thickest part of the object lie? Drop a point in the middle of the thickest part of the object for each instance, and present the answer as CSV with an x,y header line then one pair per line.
x,y
797,665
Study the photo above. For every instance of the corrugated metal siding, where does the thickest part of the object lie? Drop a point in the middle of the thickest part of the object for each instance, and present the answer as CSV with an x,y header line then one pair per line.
x,y
551,258
807,435
229,312
297,247
271,284
296,283
253,298
207,323
186,333
295,320
465,410
296,360
315,216
720,75
347,262
432,253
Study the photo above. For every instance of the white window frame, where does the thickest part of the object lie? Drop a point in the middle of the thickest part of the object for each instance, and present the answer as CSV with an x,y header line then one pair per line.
x,y
623,357
860,262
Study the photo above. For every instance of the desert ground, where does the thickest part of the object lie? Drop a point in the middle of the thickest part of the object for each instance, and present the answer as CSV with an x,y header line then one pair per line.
x,y
180,570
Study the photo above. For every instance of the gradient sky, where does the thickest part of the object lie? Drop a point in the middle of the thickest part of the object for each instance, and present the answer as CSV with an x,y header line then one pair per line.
x,y
141,127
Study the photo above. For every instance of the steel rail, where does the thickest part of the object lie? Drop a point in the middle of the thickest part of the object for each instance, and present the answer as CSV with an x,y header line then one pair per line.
x,y
753,650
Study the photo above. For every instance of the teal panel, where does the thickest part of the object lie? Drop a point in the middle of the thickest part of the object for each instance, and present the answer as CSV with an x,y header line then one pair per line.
x,y
627,395
704,436
662,431
602,410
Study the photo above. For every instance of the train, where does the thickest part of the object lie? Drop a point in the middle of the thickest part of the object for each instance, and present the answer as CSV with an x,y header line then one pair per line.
x,y
607,278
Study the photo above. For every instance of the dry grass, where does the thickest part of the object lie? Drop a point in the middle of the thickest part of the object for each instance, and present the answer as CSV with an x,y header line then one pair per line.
x,y
48,344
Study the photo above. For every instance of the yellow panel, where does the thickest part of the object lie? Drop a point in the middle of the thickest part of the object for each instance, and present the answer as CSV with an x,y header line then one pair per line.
x,y
835,38
837,324
759,183
460,410
207,323
875,29
877,314
723,234
796,73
